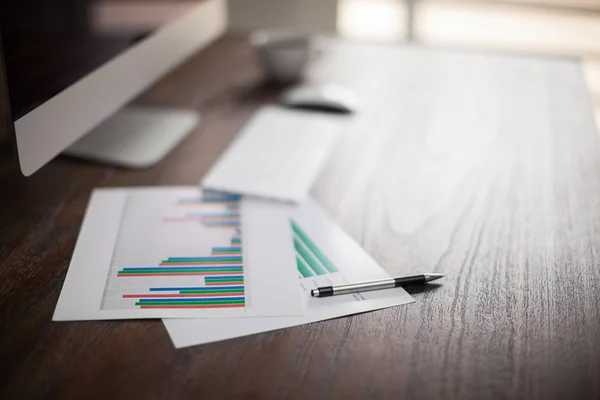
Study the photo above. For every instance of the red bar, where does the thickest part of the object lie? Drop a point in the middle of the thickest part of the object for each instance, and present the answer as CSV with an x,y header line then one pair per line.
x,y
204,264
216,253
143,296
223,283
182,274
217,306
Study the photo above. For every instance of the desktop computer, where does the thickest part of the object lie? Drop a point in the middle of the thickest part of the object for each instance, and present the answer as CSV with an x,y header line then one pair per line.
x,y
69,68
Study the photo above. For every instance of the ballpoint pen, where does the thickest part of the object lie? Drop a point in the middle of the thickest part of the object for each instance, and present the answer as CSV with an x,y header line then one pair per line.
x,y
379,284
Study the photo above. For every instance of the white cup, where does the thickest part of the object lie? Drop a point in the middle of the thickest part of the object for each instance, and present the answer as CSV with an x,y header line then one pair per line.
x,y
283,54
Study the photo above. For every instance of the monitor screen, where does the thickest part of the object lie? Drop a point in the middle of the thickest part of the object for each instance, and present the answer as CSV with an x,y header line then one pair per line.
x,y
49,45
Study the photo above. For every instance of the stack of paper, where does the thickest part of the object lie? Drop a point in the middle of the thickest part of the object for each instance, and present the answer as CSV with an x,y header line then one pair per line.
x,y
324,256
214,265
176,252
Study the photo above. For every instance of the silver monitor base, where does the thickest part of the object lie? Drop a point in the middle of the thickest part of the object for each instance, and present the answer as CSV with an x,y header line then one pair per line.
x,y
135,137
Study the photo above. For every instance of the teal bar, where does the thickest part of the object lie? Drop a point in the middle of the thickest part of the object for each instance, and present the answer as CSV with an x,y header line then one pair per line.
x,y
303,268
308,258
314,249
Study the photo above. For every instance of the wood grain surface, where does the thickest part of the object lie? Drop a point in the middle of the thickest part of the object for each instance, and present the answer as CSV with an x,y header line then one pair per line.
x,y
485,167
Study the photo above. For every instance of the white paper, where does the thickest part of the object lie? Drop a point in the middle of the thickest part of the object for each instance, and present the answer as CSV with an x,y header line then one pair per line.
x,y
278,154
176,252
353,263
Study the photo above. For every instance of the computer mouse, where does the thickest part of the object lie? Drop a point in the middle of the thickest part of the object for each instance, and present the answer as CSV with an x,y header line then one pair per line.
x,y
327,98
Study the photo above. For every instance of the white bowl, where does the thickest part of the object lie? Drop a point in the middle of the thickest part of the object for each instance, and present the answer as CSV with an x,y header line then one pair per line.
x,y
283,54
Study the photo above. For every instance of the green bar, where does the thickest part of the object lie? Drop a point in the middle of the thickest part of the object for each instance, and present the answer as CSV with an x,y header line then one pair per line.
x,y
313,247
183,300
183,268
224,278
190,268
308,258
224,260
188,303
239,280
303,268
212,291
191,300
207,290
146,271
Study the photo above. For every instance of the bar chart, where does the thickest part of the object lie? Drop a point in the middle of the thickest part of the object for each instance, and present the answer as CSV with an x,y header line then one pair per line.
x,y
202,266
315,267
181,252
310,259
325,255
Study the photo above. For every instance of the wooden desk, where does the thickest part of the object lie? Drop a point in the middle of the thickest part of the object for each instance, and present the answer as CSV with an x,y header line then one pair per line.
x,y
484,167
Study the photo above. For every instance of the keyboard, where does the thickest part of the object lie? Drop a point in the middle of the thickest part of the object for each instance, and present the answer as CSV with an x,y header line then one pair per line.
x,y
277,155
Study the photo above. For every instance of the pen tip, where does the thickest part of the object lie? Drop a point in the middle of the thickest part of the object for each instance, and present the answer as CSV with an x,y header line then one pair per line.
x,y
432,277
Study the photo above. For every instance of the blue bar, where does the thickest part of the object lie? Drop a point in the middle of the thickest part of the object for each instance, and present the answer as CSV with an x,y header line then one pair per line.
x,y
216,258
227,248
214,278
232,268
216,200
208,289
209,198
221,196
239,231
222,223
192,299
206,200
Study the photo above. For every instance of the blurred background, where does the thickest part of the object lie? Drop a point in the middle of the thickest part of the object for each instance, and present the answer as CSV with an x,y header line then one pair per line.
x,y
549,27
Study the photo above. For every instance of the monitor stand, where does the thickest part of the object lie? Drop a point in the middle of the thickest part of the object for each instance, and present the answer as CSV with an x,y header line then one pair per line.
x,y
135,137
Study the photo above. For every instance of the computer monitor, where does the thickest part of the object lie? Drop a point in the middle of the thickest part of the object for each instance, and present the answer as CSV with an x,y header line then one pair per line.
x,y
70,66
